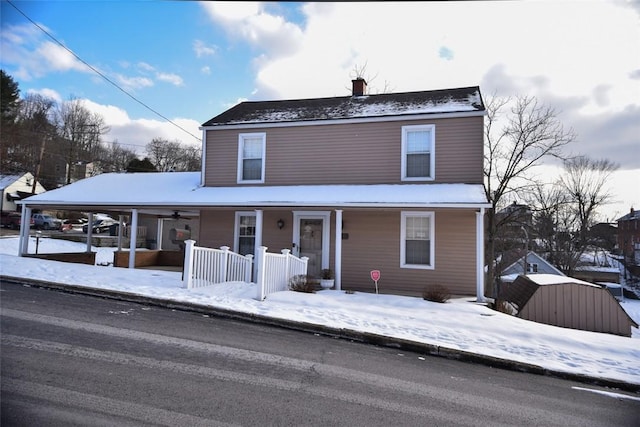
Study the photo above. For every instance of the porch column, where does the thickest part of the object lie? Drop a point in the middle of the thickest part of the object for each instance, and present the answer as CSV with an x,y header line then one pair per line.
x,y
25,227
159,231
120,231
133,238
480,255
258,239
338,253
89,232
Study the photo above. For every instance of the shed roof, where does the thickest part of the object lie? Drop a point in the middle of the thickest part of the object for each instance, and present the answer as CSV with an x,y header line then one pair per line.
x,y
525,286
467,99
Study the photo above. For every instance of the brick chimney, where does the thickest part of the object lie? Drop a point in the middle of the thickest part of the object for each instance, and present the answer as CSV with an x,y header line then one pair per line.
x,y
359,87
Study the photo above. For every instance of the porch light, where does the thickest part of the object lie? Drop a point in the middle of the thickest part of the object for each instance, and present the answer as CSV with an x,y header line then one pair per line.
x,y
280,224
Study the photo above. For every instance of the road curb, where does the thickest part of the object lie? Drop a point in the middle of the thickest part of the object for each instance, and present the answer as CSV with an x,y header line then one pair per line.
x,y
363,337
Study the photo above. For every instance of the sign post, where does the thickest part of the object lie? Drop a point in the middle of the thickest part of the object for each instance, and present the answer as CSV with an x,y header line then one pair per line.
x,y
375,276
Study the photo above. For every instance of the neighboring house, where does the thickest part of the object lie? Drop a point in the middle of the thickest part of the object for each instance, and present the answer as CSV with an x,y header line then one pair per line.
x,y
569,303
17,187
598,266
389,182
535,265
629,237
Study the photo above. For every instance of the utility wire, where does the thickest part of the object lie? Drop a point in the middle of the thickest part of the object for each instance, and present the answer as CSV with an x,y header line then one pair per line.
x,y
100,73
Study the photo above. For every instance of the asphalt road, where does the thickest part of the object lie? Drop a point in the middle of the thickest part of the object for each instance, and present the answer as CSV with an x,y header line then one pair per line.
x,y
70,360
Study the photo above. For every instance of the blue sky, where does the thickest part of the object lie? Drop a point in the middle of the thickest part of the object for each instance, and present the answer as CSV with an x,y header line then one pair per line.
x,y
191,60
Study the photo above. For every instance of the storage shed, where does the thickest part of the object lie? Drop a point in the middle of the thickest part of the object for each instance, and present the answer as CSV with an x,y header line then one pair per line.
x,y
569,303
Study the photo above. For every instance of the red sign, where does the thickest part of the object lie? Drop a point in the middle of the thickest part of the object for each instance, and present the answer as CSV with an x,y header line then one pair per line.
x,y
375,275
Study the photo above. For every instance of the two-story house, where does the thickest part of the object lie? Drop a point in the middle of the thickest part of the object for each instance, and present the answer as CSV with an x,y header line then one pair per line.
x,y
389,182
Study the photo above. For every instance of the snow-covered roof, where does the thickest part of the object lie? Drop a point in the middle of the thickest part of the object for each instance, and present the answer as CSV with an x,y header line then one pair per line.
x,y
7,180
553,279
459,100
173,189
631,216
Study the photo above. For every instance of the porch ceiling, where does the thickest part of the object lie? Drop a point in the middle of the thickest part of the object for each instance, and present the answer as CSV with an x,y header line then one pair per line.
x,y
164,193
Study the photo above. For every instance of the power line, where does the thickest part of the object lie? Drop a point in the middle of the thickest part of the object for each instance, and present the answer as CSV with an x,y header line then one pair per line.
x,y
100,73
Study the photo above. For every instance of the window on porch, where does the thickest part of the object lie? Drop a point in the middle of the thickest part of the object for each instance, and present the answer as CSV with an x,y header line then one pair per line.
x,y
245,233
417,240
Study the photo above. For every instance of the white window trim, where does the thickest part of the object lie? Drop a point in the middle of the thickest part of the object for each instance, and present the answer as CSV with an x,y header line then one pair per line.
x,y
241,138
236,228
403,236
432,152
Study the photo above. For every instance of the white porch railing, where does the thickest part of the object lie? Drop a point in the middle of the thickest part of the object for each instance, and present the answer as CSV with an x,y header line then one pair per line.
x,y
275,270
207,266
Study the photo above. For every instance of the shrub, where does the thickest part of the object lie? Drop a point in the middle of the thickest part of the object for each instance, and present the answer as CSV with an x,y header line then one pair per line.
x,y
436,293
326,274
301,283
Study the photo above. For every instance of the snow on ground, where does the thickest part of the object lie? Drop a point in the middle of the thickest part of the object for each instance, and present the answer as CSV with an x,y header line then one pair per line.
x,y
460,324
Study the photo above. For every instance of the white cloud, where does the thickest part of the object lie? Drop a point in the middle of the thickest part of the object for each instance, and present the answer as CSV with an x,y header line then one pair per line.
x,y
201,49
137,133
23,46
174,79
249,21
133,83
205,70
144,67
47,93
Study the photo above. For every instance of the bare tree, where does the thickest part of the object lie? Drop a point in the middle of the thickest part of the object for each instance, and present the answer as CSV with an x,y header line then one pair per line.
x,y
360,72
515,143
113,157
81,131
585,183
173,155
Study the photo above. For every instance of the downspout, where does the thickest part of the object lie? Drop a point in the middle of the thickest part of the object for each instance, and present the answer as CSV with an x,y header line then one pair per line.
x,y
203,156
338,253
480,256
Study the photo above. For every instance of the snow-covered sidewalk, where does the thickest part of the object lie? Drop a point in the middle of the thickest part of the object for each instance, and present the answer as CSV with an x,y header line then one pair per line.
x,y
460,324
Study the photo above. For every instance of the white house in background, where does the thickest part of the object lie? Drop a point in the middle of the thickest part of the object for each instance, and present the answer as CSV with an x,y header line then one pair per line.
x,y
535,265
17,187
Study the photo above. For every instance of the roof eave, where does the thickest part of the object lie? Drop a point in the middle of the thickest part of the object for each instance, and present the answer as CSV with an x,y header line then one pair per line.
x,y
368,119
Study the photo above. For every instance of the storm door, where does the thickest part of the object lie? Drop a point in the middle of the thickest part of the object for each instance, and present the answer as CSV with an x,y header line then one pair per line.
x,y
311,239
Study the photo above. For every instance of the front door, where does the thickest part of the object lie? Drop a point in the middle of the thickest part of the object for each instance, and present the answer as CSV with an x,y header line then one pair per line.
x,y
311,240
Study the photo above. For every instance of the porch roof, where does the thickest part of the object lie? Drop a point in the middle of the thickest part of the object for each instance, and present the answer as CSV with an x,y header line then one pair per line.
x,y
175,190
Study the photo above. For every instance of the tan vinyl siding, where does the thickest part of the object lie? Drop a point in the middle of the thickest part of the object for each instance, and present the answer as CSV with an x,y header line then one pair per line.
x,y
217,229
355,153
374,243
371,240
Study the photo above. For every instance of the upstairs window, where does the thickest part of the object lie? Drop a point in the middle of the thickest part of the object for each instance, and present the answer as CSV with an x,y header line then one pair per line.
x,y
251,153
418,161
417,240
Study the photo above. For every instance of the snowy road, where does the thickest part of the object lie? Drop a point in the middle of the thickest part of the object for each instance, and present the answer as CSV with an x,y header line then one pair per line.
x,y
70,359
